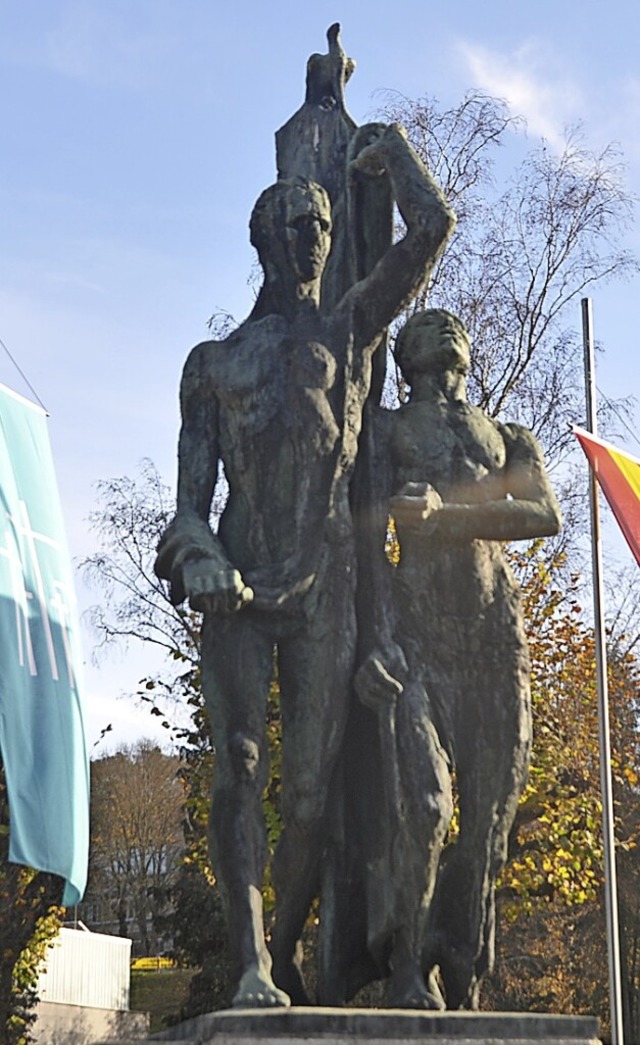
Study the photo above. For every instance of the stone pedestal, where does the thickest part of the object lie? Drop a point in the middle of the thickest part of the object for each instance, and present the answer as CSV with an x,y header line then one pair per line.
x,y
58,1022
304,1026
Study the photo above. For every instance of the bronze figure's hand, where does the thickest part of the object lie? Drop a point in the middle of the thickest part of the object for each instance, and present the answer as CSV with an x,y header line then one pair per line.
x,y
414,504
214,590
366,149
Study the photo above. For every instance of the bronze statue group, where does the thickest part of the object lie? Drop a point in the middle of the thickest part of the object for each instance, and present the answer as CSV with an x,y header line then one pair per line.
x,y
394,680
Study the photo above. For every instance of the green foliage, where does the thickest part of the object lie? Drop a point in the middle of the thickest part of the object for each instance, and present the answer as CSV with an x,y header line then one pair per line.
x,y
28,965
200,939
161,993
29,922
271,803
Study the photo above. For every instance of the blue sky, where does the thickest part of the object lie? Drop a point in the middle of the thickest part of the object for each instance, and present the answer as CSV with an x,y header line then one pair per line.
x,y
136,135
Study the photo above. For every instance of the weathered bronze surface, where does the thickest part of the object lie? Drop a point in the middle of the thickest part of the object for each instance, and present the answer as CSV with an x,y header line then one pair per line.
x,y
462,485
388,679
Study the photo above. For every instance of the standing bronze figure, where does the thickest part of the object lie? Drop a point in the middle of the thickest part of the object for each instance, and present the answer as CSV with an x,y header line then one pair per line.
x,y
389,680
280,404
464,485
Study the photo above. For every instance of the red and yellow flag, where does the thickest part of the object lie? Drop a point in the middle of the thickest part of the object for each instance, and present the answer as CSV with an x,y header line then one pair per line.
x,y
619,476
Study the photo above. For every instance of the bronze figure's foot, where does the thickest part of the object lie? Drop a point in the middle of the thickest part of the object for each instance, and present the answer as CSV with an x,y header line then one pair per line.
x,y
257,990
289,974
408,990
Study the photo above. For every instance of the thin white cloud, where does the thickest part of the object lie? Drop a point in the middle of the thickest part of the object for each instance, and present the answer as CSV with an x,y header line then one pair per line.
x,y
624,117
92,44
73,281
531,82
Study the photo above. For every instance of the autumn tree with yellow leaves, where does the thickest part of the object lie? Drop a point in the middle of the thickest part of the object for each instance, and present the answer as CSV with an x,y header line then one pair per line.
x,y
552,940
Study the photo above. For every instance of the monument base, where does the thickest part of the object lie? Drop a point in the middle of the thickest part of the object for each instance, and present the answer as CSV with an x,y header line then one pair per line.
x,y
303,1026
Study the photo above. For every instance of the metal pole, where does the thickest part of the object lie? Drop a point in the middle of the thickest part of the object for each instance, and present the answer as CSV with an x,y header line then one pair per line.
x,y
610,885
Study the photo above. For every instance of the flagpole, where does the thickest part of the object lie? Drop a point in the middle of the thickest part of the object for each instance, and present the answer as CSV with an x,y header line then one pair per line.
x,y
610,885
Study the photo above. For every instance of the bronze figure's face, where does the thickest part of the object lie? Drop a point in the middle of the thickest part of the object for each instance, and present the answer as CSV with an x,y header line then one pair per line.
x,y
308,234
436,342
291,226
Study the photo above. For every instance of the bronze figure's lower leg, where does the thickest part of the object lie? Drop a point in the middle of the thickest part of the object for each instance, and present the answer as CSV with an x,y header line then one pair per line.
x,y
237,668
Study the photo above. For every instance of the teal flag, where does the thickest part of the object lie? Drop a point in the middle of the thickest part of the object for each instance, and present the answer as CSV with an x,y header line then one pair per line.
x,y
41,728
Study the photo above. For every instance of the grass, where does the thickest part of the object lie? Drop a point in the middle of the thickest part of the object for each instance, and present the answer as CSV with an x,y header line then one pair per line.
x,y
160,992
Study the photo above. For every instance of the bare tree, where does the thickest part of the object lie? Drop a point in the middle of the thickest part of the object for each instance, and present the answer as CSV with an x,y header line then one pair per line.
x,y
522,254
130,518
136,841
